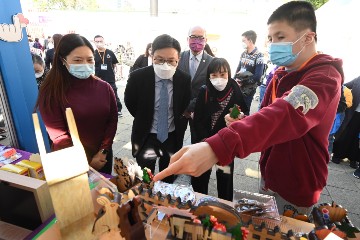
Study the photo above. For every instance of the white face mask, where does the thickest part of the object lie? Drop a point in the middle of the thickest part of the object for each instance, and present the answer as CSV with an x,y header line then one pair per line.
x,y
100,45
219,83
244,46
39,74
164,71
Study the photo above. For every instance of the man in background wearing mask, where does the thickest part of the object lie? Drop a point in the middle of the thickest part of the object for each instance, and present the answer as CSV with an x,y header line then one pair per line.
x,y
291,129
195,62
157,97
251,61
105,67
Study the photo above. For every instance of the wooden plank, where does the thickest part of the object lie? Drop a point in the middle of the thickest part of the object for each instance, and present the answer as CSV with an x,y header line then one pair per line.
x,y
72,200
12,232
38,187
66,163
66,174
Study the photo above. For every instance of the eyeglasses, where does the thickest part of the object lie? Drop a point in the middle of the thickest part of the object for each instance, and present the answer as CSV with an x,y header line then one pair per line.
x,y
196,37
161,61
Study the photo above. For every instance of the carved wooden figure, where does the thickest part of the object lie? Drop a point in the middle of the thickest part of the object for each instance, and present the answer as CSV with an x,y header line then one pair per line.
x,y
107,219
131,226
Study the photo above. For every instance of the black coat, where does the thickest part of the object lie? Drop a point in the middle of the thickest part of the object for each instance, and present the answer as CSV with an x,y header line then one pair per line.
x,y
140,62
207,104
199,77
354,85
139,100
49,57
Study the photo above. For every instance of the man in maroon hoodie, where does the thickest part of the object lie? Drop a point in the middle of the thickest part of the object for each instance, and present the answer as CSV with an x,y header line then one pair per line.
x,y
292,127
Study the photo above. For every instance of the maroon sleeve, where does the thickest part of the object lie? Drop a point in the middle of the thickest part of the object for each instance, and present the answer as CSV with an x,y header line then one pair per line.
x,y
56,126
279,122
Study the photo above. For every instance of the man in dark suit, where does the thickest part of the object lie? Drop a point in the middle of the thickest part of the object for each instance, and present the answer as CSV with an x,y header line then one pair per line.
x,y
195,62
157,97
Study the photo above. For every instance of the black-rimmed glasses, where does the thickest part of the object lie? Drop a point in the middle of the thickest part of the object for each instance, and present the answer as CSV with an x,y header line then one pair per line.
x,y
196,37
161,61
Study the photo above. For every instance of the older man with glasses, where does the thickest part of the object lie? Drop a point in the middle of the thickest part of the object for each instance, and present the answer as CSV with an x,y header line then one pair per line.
x,y
195,62
157,97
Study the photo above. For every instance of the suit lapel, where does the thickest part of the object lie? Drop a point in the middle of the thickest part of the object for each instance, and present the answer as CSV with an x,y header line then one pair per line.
x,y
186,57
176,92
149,87
202,65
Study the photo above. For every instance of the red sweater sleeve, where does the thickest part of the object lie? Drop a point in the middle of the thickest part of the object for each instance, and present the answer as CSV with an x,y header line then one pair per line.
x,y
281,121
56,126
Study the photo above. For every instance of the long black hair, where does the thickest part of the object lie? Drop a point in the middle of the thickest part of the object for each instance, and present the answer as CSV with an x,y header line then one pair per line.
x,y
57,80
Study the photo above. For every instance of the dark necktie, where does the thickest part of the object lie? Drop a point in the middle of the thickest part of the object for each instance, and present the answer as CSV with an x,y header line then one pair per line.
x,y
162,123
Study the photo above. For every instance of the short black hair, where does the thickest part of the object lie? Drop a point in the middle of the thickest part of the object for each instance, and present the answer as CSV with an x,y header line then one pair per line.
x,y
37,59
97,36
298,14
165,41
250,35
216,65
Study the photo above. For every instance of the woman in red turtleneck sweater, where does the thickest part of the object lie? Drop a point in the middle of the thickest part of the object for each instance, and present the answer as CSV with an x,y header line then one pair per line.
x,y
71,84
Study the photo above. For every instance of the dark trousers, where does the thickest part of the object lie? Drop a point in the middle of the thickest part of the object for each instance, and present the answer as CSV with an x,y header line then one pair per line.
x,y
154,149
225,185
118,103
192,131
347,144
248,100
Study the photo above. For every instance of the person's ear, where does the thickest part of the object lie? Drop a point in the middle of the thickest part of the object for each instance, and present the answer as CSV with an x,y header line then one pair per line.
x,y
63,61
309,38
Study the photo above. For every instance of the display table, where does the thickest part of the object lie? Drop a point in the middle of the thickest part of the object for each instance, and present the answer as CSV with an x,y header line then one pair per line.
x,y
25,202
158,229
155,229
24,155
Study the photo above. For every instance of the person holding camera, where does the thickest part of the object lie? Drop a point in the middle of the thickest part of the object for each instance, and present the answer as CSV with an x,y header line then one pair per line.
x,y
250,68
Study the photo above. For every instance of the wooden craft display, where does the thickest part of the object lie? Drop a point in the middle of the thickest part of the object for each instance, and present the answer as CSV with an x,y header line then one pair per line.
x,y
37,187
66,175
181,227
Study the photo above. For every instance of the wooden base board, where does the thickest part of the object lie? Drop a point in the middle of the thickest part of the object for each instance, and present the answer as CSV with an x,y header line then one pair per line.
x,y
12,232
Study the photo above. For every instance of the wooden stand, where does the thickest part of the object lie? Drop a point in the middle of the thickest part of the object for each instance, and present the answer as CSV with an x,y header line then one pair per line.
x,y
12,232
66,175
38,187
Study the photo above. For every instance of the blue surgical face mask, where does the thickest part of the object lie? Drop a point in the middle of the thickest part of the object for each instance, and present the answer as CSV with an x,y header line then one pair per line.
x,y
281,54
82,71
